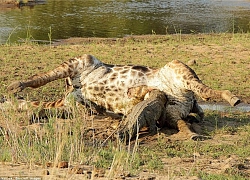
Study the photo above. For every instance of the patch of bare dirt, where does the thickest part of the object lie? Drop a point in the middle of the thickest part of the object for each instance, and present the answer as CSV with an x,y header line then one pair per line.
x,y
8,170
132,38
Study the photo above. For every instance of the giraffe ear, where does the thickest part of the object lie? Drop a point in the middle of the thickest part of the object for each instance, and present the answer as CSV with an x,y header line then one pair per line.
x,y
88,60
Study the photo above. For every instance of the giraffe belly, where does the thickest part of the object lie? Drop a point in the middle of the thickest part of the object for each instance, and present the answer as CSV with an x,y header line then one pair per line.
x,y
113,97
117,101
179,98
109,87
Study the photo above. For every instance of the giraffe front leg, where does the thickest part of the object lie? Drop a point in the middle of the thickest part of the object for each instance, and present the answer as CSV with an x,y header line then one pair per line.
x,y
72,68
40,110
16,86
38,80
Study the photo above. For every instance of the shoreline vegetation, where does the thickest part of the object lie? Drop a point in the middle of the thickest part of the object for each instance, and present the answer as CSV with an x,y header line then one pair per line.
x,y
222,61
17,3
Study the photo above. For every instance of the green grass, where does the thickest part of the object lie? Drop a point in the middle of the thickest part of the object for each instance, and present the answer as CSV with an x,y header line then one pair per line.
x,y
222,63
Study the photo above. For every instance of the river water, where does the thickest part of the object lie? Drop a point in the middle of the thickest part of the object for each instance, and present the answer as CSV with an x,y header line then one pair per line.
x,y
242,107
60,19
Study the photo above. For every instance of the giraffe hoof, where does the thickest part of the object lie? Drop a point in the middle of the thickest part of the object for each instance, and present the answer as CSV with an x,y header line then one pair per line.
x,y
235,101
16,87
231,98
197,137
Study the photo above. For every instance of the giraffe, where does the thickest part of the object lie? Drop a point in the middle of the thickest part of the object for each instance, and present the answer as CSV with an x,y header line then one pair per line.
x,y
118,88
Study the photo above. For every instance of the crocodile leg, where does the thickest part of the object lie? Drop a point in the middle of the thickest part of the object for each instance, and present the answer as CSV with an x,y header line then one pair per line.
x,y
196,114
198,110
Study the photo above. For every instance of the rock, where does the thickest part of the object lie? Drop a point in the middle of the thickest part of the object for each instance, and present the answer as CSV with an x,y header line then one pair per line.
x,y
191,62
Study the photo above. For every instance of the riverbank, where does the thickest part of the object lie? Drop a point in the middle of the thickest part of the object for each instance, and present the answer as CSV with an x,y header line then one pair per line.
x,y
85,142
9,4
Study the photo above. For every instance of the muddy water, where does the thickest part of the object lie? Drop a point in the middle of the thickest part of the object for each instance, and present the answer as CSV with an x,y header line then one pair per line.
x,y
59,19
242,107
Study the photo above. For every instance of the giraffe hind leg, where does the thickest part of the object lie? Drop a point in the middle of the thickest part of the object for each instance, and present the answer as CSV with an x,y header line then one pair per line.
x,y
231,98
192,82
185,131
206,93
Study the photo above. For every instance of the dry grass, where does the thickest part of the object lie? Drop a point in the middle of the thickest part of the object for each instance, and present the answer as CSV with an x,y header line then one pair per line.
x,y
222,62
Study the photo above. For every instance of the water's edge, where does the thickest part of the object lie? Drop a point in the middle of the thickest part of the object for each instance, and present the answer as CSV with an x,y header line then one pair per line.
x,y
242,107
60,19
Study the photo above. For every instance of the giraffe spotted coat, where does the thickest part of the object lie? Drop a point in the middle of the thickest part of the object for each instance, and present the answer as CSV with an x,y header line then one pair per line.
x,y
118,88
